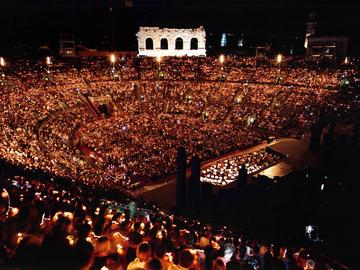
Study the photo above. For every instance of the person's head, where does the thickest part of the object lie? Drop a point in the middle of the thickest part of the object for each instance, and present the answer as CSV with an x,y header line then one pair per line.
x,y
153,264
242,251
83,258
283,251
186,258
159,251
137,226
218,264
143,252
102,246
84,230
263,249
229,250
256,250
276,251
233,265
62,225
301,258
309,265
135,239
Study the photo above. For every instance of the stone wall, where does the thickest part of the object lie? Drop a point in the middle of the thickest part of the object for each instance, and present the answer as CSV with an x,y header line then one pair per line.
x,y
171,34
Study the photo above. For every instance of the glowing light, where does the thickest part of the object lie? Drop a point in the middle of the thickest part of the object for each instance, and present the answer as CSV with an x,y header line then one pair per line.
x,y
71,240
322,186
222,59
112,58
2,61
346,60
20,237
250,120
170,257
158,58
159,235
119,248
279,58
4,194
43,219
14,211
48,60
69,215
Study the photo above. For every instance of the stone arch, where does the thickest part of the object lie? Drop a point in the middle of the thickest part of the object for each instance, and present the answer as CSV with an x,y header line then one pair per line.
x,y
149,44
179,43
164,45
194,44
183,47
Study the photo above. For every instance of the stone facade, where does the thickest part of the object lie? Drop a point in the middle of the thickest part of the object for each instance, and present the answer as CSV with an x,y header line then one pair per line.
x,y
152,42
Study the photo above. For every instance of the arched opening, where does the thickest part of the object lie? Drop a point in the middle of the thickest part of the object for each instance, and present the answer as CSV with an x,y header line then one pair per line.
x,y
149,44
179,44
164,44
194,44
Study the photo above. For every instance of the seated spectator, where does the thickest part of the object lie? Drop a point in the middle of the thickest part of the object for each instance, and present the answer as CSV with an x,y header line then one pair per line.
x,y
153,264
159,253
186,260
218,264
143,255
102,248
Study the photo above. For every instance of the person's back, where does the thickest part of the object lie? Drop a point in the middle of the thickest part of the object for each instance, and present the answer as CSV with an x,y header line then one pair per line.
x,y
186,260
159,253
153,264
218,264
102,248
273,263
143,255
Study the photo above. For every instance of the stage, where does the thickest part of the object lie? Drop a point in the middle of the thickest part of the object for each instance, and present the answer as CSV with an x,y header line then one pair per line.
x,y
298,156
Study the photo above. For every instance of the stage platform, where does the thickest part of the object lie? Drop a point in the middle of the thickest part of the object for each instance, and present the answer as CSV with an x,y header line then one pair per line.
x,y
298,156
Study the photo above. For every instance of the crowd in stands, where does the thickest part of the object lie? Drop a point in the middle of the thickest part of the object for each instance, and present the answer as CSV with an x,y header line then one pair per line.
x,y
44,225
49,123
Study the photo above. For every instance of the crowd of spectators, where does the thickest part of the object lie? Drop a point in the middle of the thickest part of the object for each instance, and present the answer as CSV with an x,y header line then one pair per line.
x,y
44,225
49,123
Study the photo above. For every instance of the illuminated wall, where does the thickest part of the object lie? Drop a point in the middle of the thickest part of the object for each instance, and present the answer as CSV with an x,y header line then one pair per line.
x,y
155,41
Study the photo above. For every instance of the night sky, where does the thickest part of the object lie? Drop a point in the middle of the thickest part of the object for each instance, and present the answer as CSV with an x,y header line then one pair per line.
x,y
37,21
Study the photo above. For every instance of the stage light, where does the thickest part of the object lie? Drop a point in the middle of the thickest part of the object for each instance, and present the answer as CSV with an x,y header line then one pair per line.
x,y
279,58
2,61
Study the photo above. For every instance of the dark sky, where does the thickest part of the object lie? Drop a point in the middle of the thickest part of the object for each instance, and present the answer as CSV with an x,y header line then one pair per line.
x,y
36,21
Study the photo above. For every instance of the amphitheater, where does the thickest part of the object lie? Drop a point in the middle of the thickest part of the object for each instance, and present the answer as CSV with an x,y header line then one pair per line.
x,y
79,136
148,117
